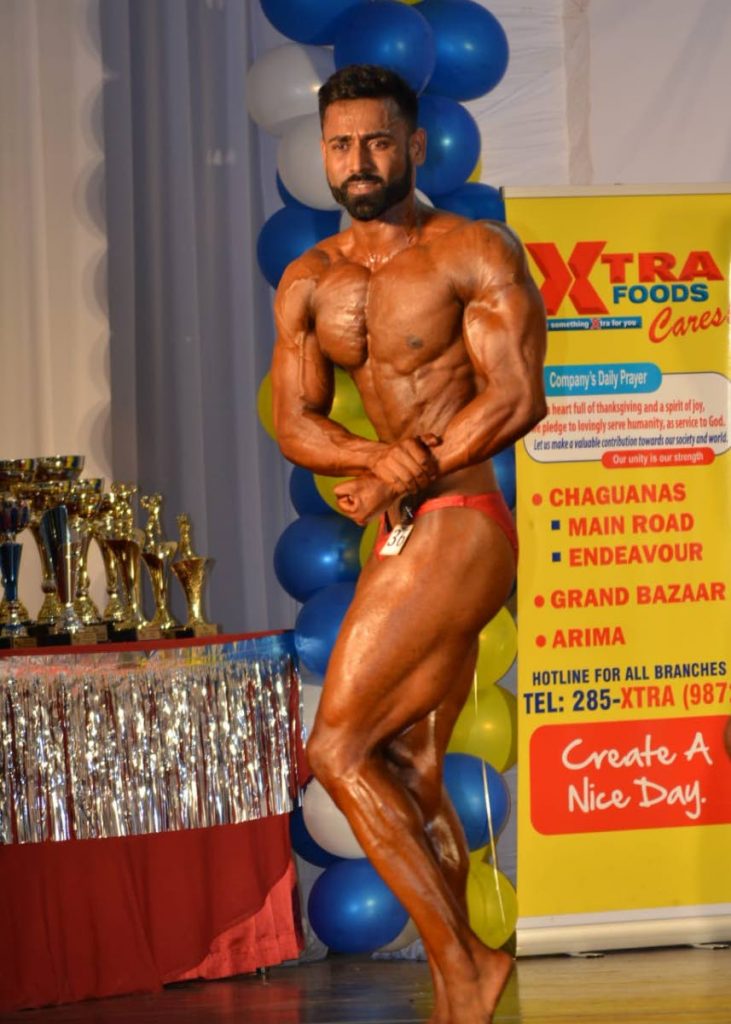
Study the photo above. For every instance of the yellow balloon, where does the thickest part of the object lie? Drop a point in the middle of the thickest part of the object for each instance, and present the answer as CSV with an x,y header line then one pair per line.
x,y
492,904
486,728
347,407
264,405
498,648
477,172
369,539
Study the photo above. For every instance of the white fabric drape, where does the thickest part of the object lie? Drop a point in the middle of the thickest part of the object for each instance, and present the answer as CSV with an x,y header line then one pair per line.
x,y
53,324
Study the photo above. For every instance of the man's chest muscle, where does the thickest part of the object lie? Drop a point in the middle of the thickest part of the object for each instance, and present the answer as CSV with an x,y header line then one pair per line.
x,y
405,312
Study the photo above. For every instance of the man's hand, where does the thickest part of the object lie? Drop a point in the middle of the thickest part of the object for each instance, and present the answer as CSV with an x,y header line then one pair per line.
x,y
363,498
408,465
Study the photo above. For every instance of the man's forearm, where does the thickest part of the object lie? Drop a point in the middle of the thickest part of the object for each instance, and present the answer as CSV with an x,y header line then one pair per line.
x,y
324,446
485,427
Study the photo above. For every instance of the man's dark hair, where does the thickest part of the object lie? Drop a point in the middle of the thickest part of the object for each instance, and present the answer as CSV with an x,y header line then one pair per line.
x,y
370,82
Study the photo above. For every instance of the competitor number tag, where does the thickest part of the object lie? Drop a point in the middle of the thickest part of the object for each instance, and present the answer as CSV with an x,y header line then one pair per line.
x,y
396,540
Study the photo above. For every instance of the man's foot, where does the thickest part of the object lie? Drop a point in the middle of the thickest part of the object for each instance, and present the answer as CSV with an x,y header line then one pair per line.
x,y
474,1001
494,974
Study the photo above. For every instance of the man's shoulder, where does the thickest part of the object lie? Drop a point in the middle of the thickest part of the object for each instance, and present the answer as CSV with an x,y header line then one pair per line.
x,y
314,261
451,227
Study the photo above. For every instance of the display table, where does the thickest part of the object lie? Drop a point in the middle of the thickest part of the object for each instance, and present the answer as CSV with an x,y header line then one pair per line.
x,y
144,792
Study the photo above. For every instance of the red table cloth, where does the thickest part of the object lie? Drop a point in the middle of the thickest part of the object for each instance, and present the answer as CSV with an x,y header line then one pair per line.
x,y
85,918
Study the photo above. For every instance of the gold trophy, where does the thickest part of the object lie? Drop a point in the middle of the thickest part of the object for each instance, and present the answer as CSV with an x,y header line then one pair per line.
x,y
101,529
156,554
12,473
190,570
40,497
49,484
82,500
63,545
126,541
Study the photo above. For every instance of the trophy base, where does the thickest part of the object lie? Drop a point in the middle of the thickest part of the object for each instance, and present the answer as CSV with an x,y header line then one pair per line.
x,y
83,637
196,629
130,633
39,631
17,641
100,630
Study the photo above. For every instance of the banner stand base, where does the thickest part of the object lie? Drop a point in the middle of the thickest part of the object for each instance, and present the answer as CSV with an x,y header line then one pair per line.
x,y
579,933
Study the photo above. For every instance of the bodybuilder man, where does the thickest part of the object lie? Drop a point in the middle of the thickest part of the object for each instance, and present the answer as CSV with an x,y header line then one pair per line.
x,y
442,330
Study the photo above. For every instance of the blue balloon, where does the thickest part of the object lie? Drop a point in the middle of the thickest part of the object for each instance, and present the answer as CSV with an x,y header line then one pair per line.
x,y
318,623
315,551
307,21
466,783
288,233
352,910
473,200
391,35
305,845
472,48
304,494
504,465
452,146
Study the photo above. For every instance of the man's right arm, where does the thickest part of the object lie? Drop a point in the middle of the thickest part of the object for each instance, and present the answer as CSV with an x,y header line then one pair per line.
x,y
303,388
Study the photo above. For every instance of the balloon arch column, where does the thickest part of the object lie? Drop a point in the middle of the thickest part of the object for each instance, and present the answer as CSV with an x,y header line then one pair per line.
x,y
448,51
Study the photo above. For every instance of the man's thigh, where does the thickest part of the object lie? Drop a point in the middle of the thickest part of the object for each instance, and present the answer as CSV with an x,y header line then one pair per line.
x,y
403,648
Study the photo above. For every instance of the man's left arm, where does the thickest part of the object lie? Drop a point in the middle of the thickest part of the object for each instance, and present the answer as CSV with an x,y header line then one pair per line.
x,y
504,329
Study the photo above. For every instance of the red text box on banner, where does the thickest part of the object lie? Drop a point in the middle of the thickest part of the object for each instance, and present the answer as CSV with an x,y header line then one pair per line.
x,y
605,776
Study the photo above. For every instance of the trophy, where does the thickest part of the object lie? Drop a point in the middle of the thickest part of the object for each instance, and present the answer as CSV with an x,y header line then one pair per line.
x,y
101,529
58,467
156,554
126,541
12,473
41,496
190,570
14,516
82,499
63,546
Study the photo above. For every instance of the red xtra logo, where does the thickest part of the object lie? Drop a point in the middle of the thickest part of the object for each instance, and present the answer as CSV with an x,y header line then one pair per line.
x,y
610,776
571,277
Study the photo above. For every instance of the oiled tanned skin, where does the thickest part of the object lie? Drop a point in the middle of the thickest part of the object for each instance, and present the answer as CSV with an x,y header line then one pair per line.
x,y
441,328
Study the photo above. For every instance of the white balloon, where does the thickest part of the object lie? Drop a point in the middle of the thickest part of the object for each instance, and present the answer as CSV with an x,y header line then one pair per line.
x,y
327,825
299,161
310,699
346,220
408,934
282,84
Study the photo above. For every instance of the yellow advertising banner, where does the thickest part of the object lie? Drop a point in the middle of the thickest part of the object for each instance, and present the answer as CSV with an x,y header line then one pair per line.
x,y
624,516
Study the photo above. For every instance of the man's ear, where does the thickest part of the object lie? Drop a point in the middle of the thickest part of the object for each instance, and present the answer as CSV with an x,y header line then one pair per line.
x,y
417,147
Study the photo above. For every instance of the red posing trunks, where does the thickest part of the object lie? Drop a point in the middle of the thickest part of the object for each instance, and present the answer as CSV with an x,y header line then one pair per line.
x,y
492,504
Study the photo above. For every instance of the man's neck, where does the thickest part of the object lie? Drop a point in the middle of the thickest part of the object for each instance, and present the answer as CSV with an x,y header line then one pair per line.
x,y
379,240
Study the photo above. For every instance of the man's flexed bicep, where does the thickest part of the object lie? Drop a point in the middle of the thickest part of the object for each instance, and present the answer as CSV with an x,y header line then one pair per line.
x,y
504,331
303,382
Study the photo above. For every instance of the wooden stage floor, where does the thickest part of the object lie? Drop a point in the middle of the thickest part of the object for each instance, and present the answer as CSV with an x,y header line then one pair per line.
x,y
676,986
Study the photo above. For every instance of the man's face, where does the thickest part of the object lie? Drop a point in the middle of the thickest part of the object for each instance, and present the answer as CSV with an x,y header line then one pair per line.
x,y
369,155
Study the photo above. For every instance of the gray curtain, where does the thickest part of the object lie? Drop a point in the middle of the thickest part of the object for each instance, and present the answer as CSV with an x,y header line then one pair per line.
x,y
190,313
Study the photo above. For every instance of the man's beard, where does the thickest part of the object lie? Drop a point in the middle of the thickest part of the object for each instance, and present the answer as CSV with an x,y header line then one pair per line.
x,y
370,205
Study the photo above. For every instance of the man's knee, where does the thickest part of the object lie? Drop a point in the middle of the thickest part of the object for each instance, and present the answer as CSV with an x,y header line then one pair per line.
x,y
332,756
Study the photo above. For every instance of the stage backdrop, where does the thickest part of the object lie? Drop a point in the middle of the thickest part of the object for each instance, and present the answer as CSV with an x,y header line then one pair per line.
x,y
624,504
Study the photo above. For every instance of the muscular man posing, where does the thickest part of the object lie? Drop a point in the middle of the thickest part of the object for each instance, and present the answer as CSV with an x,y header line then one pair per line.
x,y
441,328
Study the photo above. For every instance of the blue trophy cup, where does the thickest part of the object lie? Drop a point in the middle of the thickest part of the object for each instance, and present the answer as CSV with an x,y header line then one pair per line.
x,y
14,517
